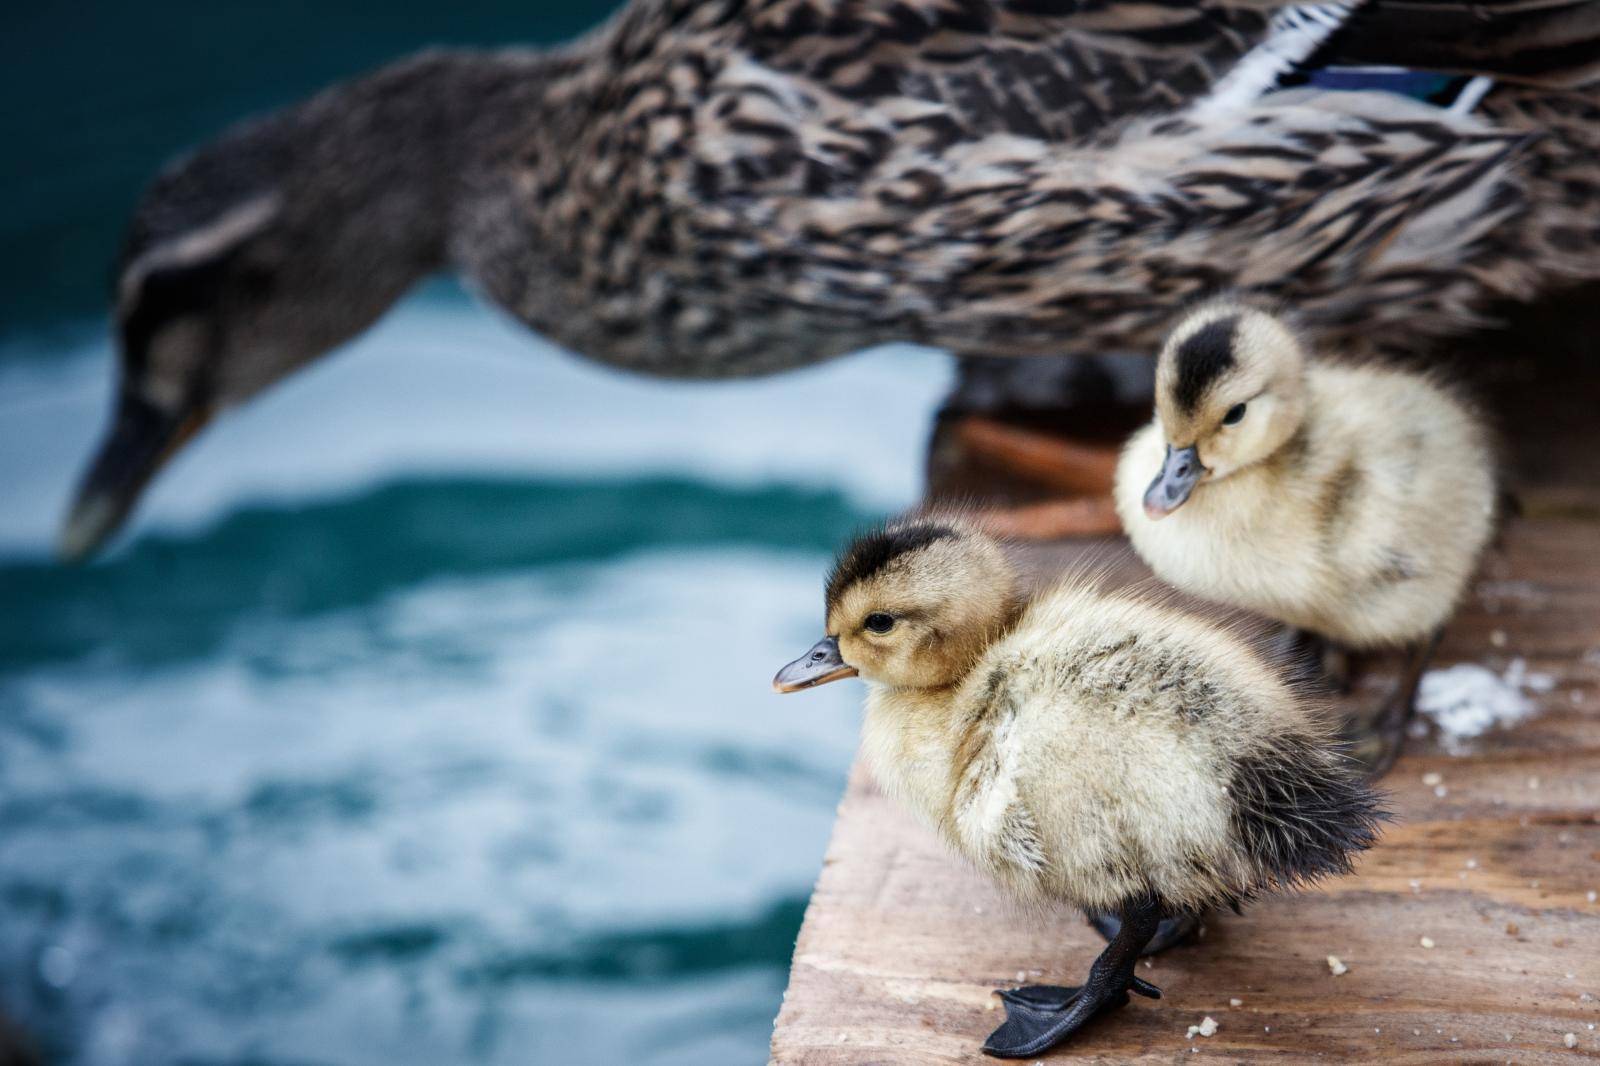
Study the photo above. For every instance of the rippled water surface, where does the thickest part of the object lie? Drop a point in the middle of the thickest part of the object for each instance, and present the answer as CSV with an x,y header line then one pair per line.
x,y
424,717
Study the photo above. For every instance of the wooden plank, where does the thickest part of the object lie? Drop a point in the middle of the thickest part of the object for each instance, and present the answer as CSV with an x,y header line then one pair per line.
x,y
1498,864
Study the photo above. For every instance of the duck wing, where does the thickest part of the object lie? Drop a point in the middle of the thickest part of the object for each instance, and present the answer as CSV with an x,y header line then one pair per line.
x,y
1034,68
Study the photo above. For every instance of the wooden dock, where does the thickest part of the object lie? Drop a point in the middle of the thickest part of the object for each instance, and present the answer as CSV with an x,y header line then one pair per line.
x,y
1471,934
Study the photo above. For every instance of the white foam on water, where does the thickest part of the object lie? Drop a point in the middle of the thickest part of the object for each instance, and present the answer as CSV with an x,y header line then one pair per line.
x,y
523,761
442,386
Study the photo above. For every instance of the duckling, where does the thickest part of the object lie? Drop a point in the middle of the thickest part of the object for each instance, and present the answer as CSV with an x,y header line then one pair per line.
x,y
718,189
1097,749
1349,501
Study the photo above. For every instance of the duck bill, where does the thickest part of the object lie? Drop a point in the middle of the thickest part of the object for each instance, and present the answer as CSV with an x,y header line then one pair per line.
x,y
1181,471
141,439
816,667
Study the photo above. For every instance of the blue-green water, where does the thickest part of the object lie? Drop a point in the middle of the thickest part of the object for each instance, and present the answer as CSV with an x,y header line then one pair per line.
x,y
423,715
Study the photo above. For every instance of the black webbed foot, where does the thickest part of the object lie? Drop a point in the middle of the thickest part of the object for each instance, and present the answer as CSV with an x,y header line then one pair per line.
x,y
1060,997
1169,934
1038,1017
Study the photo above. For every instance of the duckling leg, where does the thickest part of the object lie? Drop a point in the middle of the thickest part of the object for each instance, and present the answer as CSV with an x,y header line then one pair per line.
x,y
1315,658
1038,1017
1169,934
1379,746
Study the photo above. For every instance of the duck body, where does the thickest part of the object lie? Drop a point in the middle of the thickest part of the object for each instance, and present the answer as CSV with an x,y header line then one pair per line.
x,y
1110,749
717,189
1081,747
1364,527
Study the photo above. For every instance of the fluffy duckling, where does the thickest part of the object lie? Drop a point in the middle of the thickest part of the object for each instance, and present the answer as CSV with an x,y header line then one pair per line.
x,y
1348,501
1094,749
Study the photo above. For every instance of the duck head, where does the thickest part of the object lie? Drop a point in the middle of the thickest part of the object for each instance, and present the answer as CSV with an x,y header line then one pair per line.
x,y
261,251
1230,391
911,605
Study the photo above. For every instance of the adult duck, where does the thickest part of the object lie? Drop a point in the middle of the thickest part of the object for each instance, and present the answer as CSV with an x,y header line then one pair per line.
x,y
732,187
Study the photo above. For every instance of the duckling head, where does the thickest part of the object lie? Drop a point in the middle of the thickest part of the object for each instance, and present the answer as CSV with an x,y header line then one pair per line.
x,y
1230,391
911,605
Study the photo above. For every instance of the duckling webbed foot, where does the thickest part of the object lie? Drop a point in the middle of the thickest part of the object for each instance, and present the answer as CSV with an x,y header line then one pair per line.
x,y
1038,1017
1169,934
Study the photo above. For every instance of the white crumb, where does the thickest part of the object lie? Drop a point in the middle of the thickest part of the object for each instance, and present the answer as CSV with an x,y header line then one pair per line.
x,y
1432,778
1235,1002
1472,864
1427,941
1533,782
1517,674
1498,638
1207,1027
1336,965
1592,895
1571,1040
1441,791
1467,700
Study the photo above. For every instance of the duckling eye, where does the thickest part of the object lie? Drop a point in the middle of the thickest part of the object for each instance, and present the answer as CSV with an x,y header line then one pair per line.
x,y
1235,413
878,622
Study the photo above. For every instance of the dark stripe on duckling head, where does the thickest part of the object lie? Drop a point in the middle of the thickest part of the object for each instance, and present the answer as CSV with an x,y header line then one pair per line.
x,y
1203,357
1302,811
872,552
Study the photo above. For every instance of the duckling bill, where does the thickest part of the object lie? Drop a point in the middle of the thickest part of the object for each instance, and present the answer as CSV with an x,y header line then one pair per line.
x,y
1081,747
1349,501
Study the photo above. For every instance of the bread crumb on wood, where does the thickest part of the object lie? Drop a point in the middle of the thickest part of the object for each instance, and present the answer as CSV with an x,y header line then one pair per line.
x,y
1432,778
1571,1040
1207,1027
1336,965
1235,1002
1427,941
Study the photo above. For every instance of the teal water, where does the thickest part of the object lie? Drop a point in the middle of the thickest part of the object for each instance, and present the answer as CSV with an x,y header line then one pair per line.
x,y
422,715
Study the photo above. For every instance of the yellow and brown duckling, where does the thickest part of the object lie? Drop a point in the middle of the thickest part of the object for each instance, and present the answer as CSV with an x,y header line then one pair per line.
x,y
1097,749
1349,501
712,188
